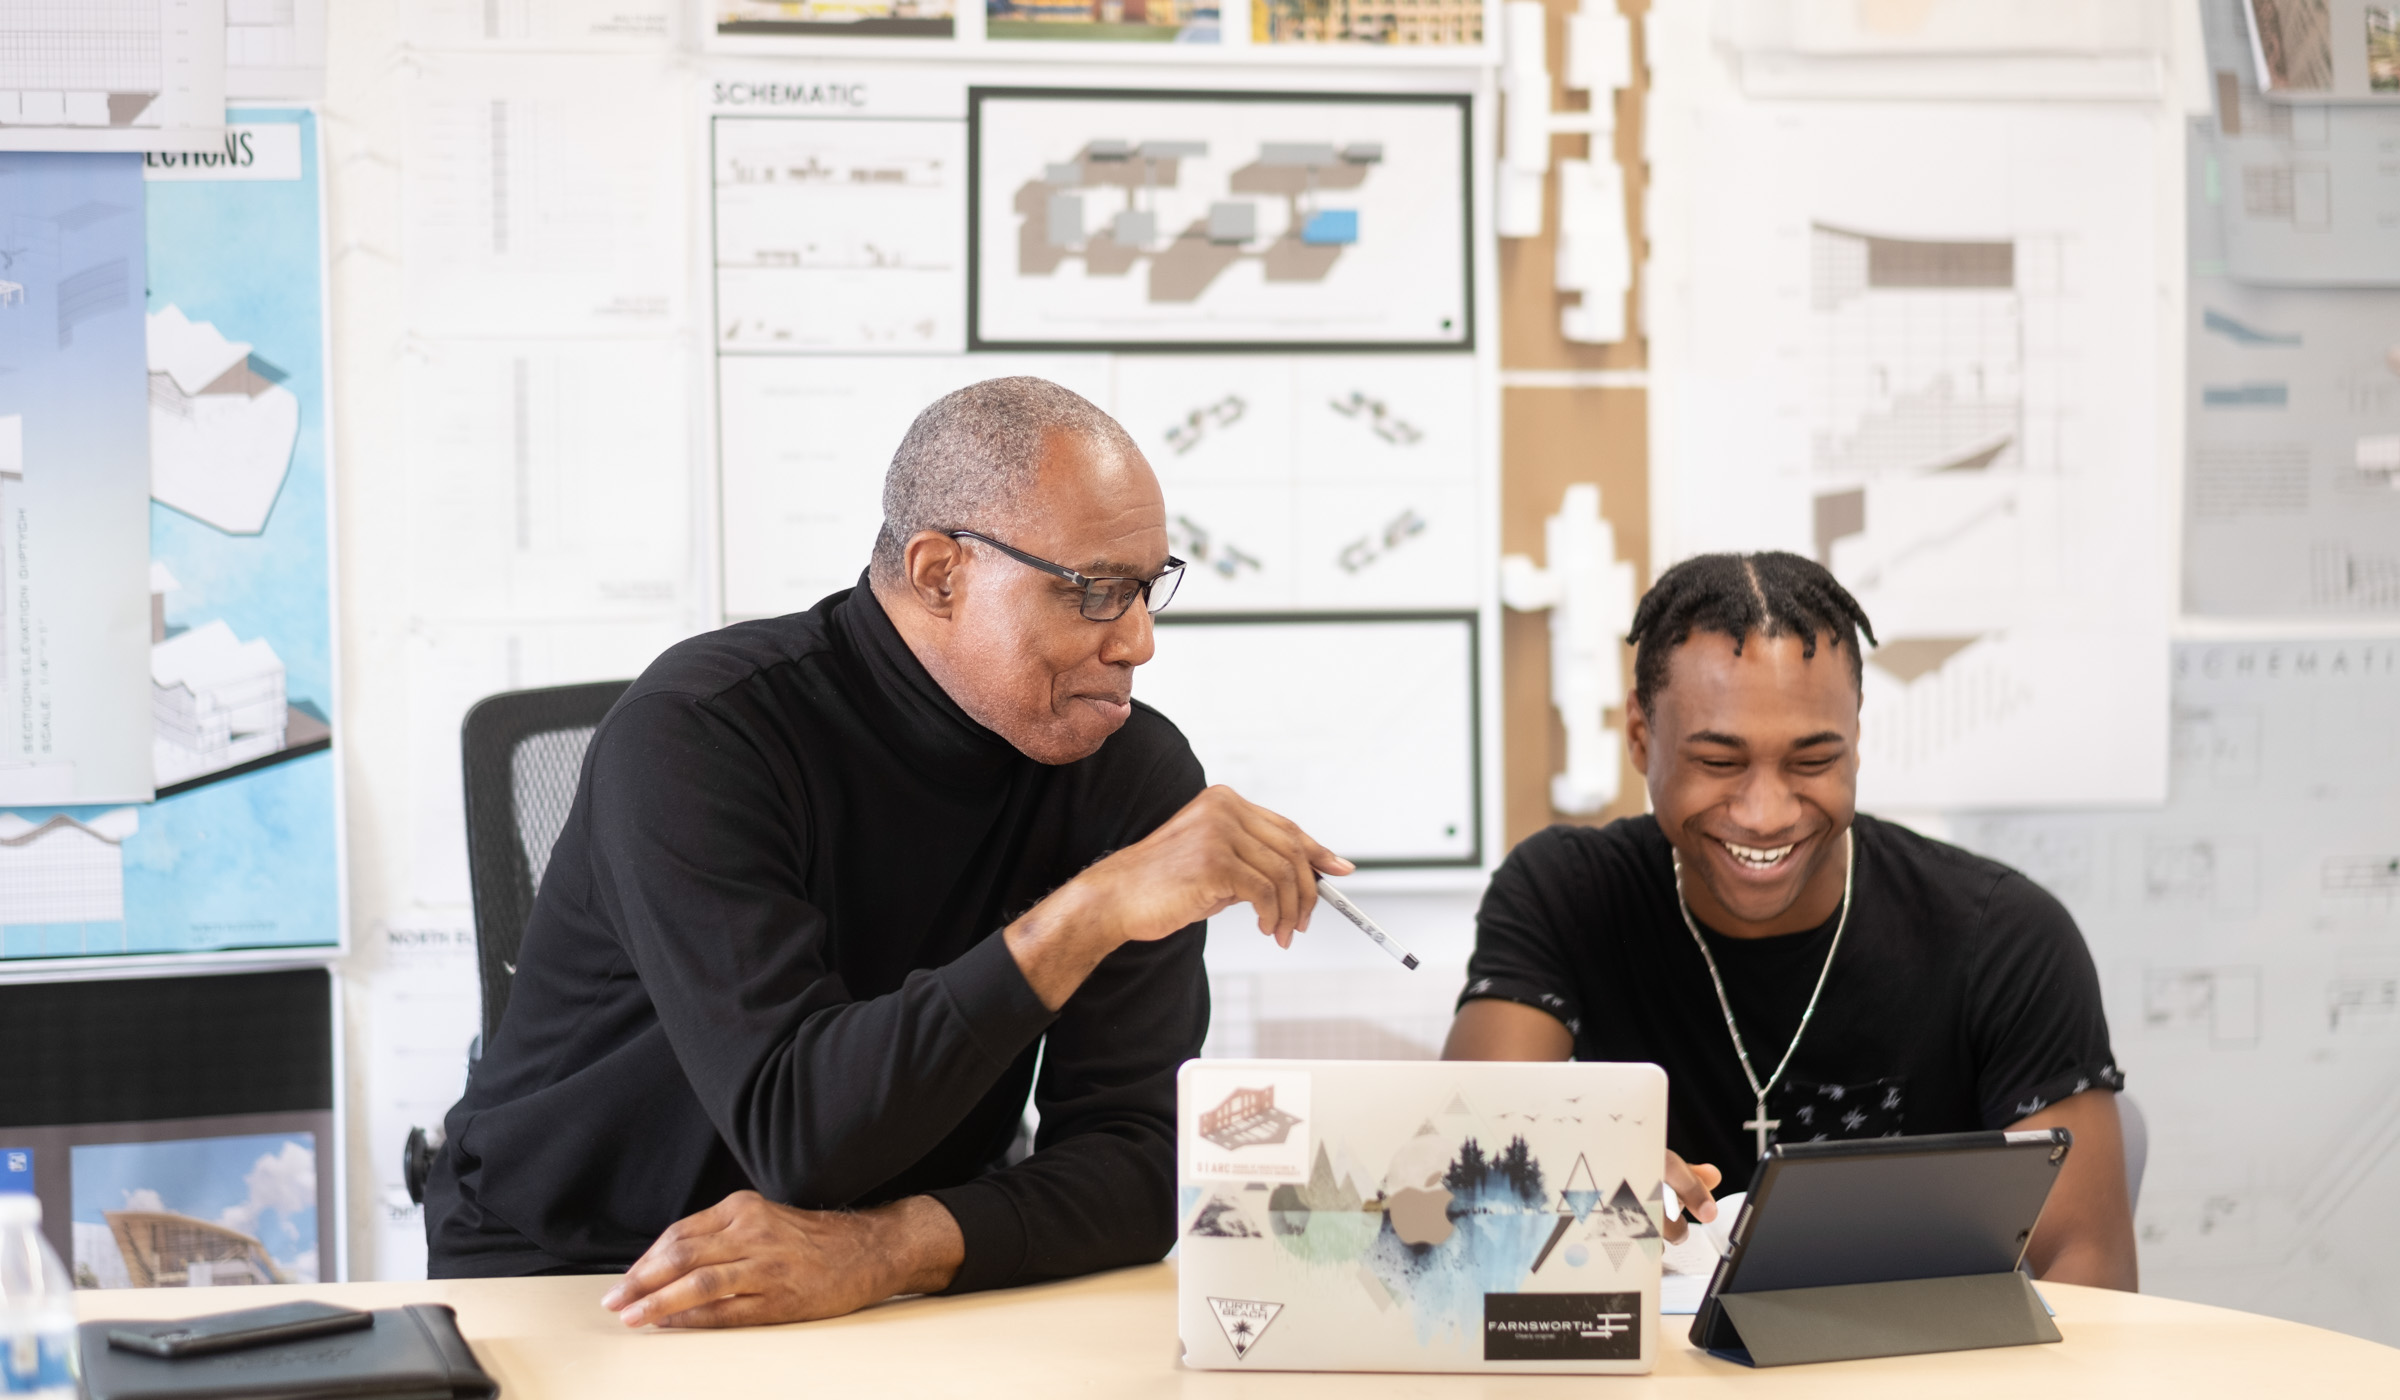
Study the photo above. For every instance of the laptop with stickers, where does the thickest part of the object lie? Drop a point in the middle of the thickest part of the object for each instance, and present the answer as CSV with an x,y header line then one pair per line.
x,y
1362,1215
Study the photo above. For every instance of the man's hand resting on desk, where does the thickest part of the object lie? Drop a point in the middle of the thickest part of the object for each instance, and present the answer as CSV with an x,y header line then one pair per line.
x,y
1219,851
746,1261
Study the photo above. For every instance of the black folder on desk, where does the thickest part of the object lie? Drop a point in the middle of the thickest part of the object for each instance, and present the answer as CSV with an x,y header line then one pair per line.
x,y
1884,1247
411,1353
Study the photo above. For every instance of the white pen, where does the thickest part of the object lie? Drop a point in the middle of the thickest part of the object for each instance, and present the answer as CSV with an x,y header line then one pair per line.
x,y
1366,925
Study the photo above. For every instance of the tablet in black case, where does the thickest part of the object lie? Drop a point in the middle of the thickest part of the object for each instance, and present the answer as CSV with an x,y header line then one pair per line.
x,y
1884,1247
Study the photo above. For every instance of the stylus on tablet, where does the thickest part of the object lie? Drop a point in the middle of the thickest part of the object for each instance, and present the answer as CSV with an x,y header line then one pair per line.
x,y
1366,925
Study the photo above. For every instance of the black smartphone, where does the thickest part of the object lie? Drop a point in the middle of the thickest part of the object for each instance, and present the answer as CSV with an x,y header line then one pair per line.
x,y
252,1327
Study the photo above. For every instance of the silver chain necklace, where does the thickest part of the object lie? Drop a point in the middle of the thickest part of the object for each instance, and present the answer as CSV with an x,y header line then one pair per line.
x,y
1762,1124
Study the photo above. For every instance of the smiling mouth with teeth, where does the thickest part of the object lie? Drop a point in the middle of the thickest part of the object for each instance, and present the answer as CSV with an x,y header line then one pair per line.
x,y
1756,857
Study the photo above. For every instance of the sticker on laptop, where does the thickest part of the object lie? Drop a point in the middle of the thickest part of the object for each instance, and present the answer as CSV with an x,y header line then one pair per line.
x,y
1244,1321
1247,1125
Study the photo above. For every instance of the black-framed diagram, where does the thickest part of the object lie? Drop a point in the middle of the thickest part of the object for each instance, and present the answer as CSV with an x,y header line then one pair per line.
x,y
1362,727
1116,219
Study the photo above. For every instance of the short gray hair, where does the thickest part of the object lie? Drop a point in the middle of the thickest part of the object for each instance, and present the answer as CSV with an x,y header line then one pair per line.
x,y
973,454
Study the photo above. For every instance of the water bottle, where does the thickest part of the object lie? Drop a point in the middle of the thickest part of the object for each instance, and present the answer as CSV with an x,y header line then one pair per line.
x,y
38,1360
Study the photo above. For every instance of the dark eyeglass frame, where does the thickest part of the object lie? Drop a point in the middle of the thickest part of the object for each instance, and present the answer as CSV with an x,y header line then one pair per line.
x,y
1093,594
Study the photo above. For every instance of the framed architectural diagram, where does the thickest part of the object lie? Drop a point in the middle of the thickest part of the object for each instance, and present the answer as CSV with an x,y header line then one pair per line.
x,y
1109,219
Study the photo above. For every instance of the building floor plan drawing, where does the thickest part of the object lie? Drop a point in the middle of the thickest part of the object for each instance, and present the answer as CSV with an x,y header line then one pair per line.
x,y
2247,938
839,236
1923,351
1218,219
112,75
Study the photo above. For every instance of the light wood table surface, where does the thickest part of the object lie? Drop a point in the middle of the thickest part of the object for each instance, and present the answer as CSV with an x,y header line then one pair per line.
x,y
1114,1335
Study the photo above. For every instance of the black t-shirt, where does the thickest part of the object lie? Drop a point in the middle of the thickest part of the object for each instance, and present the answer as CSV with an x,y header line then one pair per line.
x,y
1962,996
766,953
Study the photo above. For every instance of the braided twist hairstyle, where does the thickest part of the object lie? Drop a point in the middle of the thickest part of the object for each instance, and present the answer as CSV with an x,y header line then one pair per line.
x,y
1771,593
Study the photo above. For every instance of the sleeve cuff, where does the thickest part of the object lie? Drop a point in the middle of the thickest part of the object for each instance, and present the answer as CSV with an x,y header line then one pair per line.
x,y
1525,994
993,1231
994,1001
2063,1085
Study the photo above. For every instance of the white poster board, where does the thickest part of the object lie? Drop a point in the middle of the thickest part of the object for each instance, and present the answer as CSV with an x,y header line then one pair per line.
x,y
1360,728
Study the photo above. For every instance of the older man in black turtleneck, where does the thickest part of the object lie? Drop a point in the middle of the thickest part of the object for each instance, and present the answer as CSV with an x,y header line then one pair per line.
x,y
835,884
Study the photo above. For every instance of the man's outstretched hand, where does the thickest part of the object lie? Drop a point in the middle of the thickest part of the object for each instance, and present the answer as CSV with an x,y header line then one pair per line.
x,y
1219,851
746,1261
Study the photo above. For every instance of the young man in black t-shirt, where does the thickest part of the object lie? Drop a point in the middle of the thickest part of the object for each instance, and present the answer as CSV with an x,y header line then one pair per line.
x,y
1823,974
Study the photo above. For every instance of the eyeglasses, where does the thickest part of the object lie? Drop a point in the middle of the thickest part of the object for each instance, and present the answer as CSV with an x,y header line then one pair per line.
x,y
1104,599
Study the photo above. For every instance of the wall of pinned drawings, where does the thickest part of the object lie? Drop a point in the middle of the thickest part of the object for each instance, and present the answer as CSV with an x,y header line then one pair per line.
x,y
634,299
638,301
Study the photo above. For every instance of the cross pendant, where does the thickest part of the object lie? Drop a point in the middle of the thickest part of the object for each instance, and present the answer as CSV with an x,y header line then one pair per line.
x,y
1763,1125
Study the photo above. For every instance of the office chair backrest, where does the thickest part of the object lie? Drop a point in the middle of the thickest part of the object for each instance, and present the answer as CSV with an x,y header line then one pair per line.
x,y
2136,1131
524,757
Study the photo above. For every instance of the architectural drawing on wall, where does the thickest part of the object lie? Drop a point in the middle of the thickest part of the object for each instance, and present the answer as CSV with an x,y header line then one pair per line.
x,y
276,48
1387,22
529,195
2221,1003
1332,769
802,447
1218,219
219,701
2341,577
839,235
1949,385
2286,506
2363,1001
550,476
65,870
543,26
1921,354
1317,482
2321,50
75,485
2215,873
2243,934
863,19
2368,882
2297,193
1103,205
221,425
148,75
1142,21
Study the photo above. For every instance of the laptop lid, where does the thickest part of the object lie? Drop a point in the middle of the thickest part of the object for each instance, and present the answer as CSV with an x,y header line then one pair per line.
x,y
1354,1215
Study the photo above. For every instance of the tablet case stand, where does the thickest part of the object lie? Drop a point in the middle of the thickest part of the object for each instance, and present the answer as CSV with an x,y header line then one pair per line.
x,y
1851,1321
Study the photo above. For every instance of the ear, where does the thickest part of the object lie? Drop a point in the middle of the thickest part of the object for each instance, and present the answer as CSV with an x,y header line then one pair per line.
x,y
930,564
1637,734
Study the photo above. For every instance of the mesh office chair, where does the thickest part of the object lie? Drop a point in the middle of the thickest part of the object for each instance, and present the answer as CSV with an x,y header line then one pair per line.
x,y
524,757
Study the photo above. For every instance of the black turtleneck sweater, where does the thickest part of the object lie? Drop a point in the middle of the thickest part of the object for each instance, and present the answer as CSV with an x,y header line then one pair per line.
x,y
767,954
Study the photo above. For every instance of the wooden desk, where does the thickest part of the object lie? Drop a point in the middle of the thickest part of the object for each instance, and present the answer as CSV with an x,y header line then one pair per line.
x,y
1114,1335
